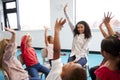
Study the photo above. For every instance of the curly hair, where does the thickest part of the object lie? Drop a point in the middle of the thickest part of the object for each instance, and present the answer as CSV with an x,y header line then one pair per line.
x,y
87,31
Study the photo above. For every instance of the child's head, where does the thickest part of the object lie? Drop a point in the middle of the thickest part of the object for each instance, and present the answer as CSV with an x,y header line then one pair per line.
x,y
50,39
73,71
111,45
3,44
82,27
28,41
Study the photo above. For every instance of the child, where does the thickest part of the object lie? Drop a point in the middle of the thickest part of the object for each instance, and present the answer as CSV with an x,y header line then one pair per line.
x,y
105,21
110,49
30,58
8,60
82,35
49,45
69,71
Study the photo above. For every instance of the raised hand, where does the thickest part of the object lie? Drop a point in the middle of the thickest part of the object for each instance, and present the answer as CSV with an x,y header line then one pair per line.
x,y
59,24
9,30
106,21
65,8
46,28
107,17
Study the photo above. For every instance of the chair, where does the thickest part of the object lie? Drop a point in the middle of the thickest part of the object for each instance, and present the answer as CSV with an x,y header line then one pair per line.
x,y
20,58
44,58
5,75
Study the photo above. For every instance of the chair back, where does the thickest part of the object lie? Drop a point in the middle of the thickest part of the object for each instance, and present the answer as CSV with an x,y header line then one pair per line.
x,y
20,58
5,75
44,54
44,57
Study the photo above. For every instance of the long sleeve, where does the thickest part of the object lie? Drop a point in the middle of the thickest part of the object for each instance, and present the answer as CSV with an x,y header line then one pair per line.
x,y
23,43
69,22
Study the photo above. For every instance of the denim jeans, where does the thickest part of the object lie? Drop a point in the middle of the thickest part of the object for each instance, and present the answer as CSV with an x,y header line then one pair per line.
x,y
81,61
34,78
34,70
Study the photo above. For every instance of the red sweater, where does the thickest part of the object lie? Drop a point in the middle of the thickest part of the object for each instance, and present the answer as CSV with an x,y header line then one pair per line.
x,y
28,53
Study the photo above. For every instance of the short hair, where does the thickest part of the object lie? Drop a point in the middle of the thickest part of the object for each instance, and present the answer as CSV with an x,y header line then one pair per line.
x,y
48,38
77,73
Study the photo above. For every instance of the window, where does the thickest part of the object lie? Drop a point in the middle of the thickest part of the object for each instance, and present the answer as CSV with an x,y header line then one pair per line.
x,y
92,11
12,20
10,5
34,14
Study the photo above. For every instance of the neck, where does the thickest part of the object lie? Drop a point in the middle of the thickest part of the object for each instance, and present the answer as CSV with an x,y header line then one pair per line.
x,y
112,64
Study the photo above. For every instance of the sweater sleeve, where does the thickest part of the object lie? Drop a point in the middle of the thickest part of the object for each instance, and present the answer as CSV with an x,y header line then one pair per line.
x,y
69,22
23,43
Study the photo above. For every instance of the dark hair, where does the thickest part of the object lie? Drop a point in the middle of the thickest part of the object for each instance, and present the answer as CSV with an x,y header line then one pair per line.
x,y
87,31
77,74
111,45
49,38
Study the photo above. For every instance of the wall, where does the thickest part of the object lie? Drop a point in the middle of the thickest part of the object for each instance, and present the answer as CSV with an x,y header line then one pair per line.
x,y
65,35
66,40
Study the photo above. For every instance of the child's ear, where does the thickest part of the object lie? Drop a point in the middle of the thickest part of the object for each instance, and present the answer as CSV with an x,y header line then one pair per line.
x,y
104,53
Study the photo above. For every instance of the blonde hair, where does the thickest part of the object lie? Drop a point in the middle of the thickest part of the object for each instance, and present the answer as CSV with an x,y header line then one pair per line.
x,y
29,37
3,44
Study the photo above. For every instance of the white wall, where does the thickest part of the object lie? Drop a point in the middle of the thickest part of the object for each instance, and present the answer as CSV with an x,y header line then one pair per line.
x,y
66,34
0,13
66,40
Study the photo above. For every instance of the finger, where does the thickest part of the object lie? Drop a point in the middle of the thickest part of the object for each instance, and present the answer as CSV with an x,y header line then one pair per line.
x,y
56,20
111,17
60,20
63,21
108,14
104,15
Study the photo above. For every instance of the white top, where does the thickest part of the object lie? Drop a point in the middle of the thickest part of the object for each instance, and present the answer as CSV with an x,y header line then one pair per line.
x,y
56,70
11,65
50,51
79,44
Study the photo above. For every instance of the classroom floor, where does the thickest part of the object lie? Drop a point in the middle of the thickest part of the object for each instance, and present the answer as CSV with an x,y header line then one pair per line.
x,y
94,59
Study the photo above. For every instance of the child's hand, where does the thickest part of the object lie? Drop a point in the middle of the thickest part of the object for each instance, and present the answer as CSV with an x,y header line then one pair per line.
x,y
59,24
65,8
107,17
46,28
9,29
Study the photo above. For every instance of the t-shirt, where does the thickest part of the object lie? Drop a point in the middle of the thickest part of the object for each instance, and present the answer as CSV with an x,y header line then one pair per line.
x,y
11,65
50,51
105,73
56,70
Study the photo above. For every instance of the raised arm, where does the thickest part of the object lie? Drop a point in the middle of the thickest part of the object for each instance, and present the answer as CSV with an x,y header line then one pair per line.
x,y
23,42
69,21
12,39
45,36
58,25
102,30
107,23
